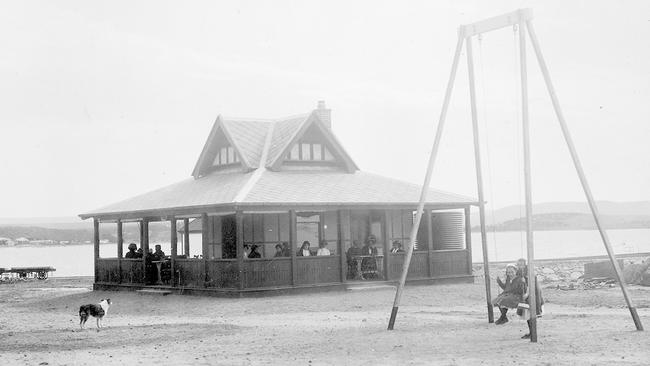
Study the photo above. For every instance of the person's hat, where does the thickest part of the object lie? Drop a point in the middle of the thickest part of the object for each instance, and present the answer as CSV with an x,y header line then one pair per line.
x,y
132,246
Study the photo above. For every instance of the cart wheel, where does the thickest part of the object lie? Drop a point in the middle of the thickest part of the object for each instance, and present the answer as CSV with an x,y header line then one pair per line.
x,y
42,275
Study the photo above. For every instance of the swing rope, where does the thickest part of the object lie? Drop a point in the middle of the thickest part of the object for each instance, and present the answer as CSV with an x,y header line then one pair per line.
x,y
487,141
517,133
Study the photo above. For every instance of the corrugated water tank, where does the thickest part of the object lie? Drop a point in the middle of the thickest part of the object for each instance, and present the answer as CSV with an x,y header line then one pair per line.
x,y
448,230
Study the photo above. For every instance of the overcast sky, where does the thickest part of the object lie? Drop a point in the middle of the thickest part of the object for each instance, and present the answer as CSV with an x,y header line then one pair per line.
x,y
100,101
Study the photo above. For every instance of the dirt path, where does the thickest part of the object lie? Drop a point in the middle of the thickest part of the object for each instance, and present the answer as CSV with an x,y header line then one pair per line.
x,y
443,325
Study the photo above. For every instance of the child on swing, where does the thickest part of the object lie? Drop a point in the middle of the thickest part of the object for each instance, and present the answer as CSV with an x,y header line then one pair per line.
x,y
513,293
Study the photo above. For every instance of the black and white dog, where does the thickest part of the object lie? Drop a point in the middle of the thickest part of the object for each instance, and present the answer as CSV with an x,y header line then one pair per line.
x,y
97,310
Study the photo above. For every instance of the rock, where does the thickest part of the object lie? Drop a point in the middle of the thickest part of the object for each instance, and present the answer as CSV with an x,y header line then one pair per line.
x,y
576,275
547,270
551,278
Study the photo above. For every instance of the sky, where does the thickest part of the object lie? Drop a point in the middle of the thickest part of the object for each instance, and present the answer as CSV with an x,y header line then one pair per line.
x,y
101,101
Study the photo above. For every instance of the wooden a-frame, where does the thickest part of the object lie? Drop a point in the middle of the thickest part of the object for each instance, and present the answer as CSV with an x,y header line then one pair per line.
x,y
522,18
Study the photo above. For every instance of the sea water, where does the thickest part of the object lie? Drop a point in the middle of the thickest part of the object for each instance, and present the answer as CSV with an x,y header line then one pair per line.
x,y
77,260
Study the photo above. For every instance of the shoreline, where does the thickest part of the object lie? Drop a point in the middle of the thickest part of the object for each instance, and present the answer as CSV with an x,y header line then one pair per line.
x,y
568,259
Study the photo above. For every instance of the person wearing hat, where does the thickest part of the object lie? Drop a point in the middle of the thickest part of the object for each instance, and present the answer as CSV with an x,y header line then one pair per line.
x,y
512,295
132,253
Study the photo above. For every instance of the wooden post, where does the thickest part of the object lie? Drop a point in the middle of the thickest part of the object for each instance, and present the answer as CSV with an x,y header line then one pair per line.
x,y
430,254
141,227
345,238
96,247
386,245
173,238
186,237
527,183
120,249
342,256
293,243
427,179
468,240
205,245
479,179
581,175
388,233
145,247
239,219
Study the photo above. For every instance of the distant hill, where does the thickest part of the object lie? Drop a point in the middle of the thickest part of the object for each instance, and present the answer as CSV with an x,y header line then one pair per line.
x,y
547,216
569,216
82,234
64,222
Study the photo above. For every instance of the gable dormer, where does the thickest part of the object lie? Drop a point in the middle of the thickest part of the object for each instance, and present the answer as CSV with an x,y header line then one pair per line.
x,y
226,156
312,145
220,152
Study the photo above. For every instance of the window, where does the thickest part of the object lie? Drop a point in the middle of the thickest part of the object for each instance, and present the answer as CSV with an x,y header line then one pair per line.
x,y
401,225
308,229
318,151
305,151
317,228
309,151
266,231
225,156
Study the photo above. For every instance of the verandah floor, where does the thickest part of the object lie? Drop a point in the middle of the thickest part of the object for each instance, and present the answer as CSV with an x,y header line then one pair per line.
x,y
282,290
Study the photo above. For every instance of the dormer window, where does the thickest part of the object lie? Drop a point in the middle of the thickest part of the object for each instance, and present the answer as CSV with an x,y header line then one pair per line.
x,y
225,156
309,151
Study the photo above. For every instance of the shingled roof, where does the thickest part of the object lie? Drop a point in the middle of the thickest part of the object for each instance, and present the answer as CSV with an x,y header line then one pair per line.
x,y
261,180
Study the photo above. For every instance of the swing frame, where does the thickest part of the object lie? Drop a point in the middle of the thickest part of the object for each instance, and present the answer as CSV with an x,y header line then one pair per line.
x,y
523,19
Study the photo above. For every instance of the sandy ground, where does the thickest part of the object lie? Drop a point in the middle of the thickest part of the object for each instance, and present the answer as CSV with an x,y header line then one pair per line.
x,y
437,325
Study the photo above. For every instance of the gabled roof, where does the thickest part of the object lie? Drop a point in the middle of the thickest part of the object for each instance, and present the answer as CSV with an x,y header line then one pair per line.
x,y
213,189
247,137
262,146
340,188
295,188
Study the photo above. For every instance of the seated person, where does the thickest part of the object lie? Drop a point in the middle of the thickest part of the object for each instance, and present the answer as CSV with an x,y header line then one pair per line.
x,y
139,254
354,251
279,251
254,253
512,295
304,250
397,247
369,265
158,255
132,254
322,249
286,251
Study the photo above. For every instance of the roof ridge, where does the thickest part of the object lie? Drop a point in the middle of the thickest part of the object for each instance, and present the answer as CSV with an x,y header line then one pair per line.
x,y
265,120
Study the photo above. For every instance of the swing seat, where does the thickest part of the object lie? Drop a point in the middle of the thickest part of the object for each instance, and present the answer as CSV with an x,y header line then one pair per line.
x,y
523,310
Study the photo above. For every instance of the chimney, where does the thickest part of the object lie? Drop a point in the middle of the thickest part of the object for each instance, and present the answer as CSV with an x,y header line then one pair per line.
x,y
324,114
